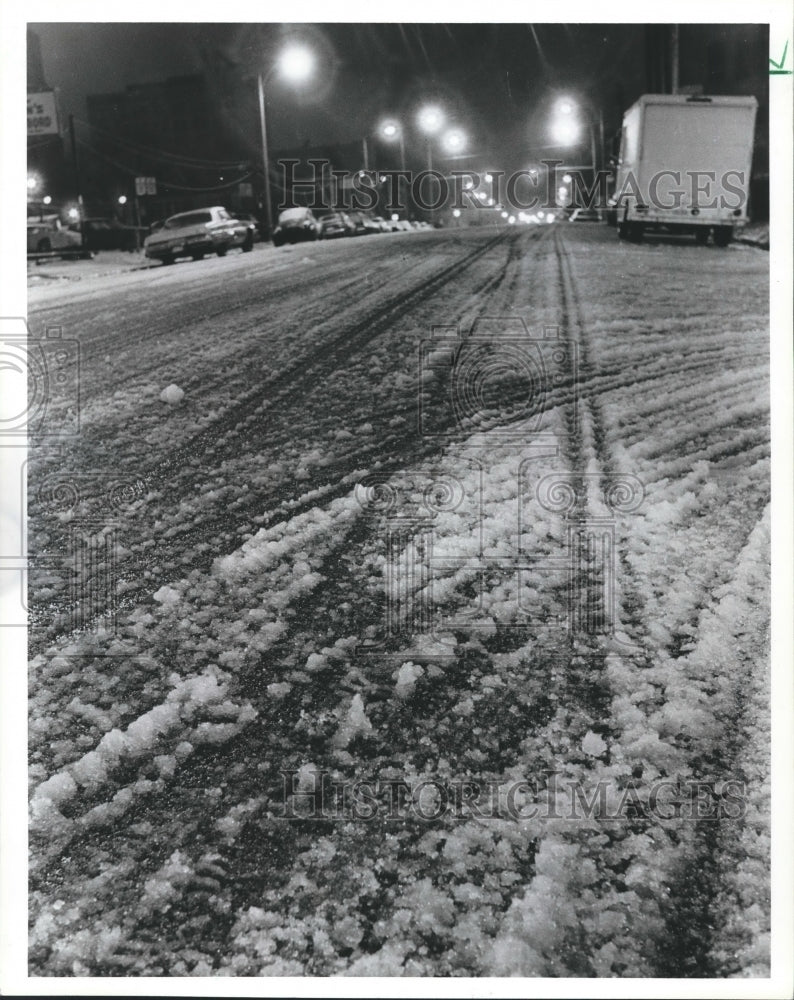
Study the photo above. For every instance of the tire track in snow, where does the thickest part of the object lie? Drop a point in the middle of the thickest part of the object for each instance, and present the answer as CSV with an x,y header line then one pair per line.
x,y
214,524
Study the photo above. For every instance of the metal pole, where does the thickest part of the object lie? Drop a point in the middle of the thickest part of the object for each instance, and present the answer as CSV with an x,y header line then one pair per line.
x,y
429,169
265,159
601,138
402,179
674,74
365,150
137,224
76,165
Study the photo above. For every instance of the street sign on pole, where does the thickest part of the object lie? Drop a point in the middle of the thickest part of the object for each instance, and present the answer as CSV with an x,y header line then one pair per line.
x,y
145,185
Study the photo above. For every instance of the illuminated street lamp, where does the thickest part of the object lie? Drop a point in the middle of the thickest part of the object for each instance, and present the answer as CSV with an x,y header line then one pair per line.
x,y
565,131
46,200
431,120
122,199
295,64
392,132
454,141
566,128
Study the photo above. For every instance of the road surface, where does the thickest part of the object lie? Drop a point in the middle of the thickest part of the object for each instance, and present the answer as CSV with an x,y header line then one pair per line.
x,y
400,607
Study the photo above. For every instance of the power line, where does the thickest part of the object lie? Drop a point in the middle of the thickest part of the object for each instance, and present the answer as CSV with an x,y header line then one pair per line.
x,y
162,154
133,172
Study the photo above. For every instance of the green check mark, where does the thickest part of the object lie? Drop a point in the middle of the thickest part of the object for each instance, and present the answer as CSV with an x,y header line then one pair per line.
x,y
778,70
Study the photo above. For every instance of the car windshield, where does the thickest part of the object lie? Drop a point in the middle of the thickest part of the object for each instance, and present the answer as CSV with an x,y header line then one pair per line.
x,y
293,215
188,219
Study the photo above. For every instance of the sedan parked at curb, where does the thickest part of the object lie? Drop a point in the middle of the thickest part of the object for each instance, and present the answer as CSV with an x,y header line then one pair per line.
x,y
108,234
295,225
335,225
47,234
195,234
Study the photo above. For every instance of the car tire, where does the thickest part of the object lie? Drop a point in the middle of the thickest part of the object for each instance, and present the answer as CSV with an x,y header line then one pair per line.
x,y
248,243
167,260
722,235
197,256
221,251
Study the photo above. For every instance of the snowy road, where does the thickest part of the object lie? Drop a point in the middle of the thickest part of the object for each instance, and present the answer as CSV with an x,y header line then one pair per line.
x,y
427,634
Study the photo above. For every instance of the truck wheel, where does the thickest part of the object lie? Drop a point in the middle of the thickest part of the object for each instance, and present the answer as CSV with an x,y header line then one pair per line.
x,y
723,235
702,235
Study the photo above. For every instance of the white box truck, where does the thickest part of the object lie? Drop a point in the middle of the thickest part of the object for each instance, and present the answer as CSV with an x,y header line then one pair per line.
x,y
684,166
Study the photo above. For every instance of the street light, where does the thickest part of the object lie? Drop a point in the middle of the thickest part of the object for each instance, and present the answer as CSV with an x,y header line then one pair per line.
x,y
295,64
454,141
566,128
430,119
565,131
391,132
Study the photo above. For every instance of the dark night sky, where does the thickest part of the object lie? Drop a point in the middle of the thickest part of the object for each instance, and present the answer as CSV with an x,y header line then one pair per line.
x,y
496,81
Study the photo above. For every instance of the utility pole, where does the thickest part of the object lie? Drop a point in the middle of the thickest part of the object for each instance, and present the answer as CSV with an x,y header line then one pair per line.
x,y
674,61
76,165
265,157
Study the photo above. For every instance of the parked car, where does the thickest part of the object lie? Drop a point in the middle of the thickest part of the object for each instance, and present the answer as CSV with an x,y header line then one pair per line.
x,y
365,223
252,220
294,225
47,234
195,234
383,225
585,215
109,234
335,225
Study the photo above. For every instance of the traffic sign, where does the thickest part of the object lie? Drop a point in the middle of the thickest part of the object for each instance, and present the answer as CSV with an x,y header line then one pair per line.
x,y
145,185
